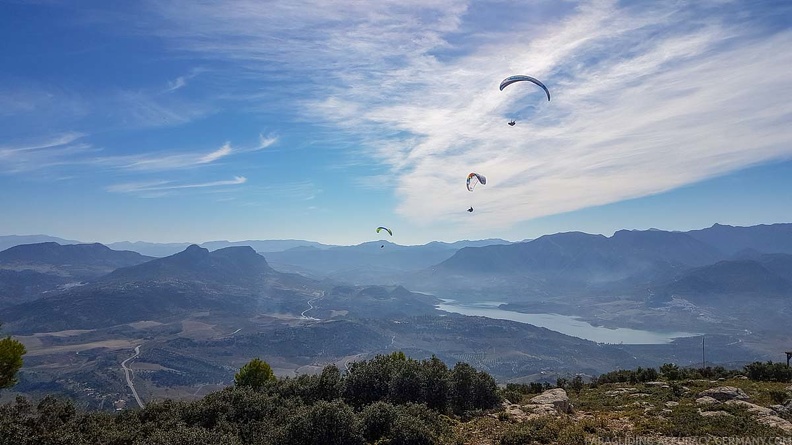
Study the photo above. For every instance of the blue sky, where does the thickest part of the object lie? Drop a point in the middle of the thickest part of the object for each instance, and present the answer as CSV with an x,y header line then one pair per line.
x,y
183,120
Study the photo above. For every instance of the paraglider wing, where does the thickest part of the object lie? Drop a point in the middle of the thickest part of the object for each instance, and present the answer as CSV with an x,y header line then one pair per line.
x,y
385,229
473,179
520,78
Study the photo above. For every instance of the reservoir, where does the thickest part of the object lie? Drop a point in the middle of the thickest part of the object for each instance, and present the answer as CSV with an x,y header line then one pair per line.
x,y
564,324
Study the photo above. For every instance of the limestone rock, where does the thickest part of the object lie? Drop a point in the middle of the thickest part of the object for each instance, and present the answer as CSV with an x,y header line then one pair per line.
x,y
724,393
775,421
715,414
554,397
707,400
752,408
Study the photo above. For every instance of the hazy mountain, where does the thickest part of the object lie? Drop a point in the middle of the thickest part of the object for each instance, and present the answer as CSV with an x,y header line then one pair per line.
x,y
568,262
765,276
150,249
232,282
266,246
16,240
20,286
229,280
773,238
79,261
372,262
166,249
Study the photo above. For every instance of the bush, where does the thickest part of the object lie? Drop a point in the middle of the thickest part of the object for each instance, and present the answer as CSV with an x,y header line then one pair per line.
x,y
769,372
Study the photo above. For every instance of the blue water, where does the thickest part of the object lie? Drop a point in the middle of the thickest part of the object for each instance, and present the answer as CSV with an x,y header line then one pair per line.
x,y
564,324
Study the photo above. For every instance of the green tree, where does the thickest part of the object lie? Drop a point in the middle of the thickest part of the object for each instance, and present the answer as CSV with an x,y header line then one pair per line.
x,y
255,374
671,371
576,384
11,352
438,384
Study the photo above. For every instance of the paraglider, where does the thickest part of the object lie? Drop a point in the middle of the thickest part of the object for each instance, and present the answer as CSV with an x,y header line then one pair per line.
x,y
379,229
511,124
470,210
521,78
475,178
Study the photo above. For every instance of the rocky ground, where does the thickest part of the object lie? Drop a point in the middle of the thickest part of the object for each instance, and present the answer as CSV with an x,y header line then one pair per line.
x,y
684,412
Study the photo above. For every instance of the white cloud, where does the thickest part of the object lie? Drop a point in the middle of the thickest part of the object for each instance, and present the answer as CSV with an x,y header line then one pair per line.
x,y
221,152
266,141
180,82
645,99
163,186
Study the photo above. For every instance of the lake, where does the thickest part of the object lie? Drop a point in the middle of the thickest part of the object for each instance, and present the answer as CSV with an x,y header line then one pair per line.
x,y
564,324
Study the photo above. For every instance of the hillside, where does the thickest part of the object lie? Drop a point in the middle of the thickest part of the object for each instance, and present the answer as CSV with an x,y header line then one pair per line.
x,y
394,399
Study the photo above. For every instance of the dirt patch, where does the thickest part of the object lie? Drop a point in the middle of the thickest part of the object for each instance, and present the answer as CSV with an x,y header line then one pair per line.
x,y
145,324
61,349
198,330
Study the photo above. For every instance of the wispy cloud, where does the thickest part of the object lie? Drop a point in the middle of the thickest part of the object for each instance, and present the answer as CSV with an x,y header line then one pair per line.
x,y
164,186
221,152
164,160
33,155
266,141
180,82
645,99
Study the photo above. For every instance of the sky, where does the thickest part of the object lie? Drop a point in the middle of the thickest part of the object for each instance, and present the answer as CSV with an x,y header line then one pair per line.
x,y
193,120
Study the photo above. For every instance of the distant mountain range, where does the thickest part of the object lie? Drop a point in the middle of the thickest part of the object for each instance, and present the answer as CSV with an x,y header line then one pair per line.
x,y
29,271
200,313
577,263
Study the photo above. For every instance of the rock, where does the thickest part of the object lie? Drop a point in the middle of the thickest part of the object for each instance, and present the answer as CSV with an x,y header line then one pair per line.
x,y
783,409
714,414
639,394
620,391
655,384
513,411
671,404
741,377
752,408
556,397
540,409
777,422
789,388
707,400
723,393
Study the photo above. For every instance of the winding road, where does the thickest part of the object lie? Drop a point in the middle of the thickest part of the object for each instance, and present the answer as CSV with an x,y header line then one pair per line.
x,y
310,303
130,375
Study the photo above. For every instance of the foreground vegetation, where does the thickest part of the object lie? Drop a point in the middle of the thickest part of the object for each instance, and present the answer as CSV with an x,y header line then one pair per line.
x,y
392,399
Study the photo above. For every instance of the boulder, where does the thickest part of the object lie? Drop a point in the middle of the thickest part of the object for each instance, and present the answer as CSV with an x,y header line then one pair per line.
x,y
715,414
513,411
671,404
775,421
752,408
553,397
620,392
707,400
724,393
783,409
539,410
